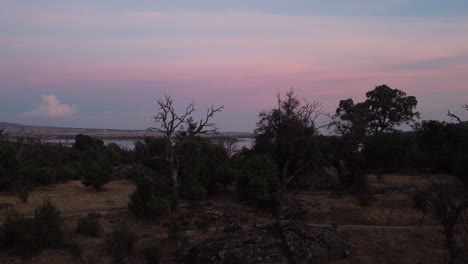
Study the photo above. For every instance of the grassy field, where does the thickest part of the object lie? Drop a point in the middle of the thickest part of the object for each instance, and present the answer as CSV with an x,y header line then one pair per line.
x,y
387,230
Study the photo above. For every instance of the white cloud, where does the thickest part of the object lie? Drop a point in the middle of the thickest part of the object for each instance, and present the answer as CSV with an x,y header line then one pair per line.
x,y
51,107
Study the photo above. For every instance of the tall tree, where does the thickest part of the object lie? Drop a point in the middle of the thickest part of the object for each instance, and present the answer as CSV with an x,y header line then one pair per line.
x,y
383,111
287,133
177,129
361,124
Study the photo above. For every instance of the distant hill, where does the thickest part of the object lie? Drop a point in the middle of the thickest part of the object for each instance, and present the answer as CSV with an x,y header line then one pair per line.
x,y
66,132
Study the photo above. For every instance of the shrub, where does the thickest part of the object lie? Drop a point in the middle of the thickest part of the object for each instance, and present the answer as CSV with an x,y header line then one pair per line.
x,y
23,195
151,199
75,249
120,242
44,175
176,234
20,234
94,174
203,223
28,236
66,173
259,182
47,223
152,252
89,226
194,192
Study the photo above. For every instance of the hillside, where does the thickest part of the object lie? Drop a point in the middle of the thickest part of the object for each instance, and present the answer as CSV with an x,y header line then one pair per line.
x,y
66,132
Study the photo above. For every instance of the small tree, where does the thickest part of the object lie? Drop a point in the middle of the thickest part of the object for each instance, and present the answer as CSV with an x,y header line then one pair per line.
x,y
95,175
448,203
287,133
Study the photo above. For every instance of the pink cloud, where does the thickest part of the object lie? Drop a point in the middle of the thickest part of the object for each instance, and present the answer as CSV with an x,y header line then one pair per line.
x,y
51,107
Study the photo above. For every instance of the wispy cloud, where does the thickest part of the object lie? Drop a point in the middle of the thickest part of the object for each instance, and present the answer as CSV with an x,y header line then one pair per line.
x,y
51,107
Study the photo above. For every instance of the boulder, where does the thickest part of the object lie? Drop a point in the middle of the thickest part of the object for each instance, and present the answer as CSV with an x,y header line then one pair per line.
x,y
294,208
288,242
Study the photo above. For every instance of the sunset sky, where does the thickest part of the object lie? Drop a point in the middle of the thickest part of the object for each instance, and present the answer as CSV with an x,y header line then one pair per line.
x,y
103,64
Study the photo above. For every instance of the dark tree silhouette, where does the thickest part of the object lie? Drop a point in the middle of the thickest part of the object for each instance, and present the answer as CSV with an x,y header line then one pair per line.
x,y
178,129
383,111
448,203
361,124
288,132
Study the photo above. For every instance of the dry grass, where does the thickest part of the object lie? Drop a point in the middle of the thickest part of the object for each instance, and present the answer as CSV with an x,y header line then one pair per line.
x,y
377,231
74,198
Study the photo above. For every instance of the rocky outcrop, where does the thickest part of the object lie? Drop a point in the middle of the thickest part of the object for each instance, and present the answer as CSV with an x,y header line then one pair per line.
x,y
295,208
289,242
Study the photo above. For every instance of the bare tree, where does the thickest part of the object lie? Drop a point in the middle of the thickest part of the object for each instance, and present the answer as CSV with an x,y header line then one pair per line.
x,y
182,128
455,117
448,204
289,129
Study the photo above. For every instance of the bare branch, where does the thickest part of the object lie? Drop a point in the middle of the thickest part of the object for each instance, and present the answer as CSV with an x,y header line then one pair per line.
x,y
453,116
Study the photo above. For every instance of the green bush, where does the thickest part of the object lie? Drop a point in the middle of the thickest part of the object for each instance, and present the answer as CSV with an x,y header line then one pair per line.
x,y
44,175
66,173
89,226
47,221
151,199
259,182
20,235
28,236
94,174
120,242
152,252
194,192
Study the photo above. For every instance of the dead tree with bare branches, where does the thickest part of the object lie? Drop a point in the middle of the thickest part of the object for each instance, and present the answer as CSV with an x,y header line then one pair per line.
x,y
454,116
448,203
177,129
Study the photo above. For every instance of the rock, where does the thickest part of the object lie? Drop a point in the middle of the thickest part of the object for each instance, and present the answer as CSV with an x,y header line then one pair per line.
x,y
290,242
294,208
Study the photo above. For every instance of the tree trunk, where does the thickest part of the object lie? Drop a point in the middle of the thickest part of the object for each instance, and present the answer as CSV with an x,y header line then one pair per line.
x,y
174,176
451,244
279,212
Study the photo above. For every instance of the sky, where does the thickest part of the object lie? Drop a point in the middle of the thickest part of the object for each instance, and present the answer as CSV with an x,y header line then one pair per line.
x,y
103,64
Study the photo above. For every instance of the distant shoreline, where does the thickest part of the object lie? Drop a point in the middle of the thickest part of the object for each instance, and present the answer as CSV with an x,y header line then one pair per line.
x,y
70,133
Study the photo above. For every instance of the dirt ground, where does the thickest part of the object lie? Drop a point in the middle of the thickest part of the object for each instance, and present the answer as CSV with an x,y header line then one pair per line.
x,y
387,230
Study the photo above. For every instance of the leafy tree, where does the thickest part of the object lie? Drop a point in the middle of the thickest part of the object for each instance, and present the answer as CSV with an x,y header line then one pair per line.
x,y
362,124
153,196
85,142
287,134
259,182
383,111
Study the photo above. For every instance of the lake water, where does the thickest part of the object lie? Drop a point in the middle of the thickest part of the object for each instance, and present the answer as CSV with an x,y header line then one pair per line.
x,y
130,143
